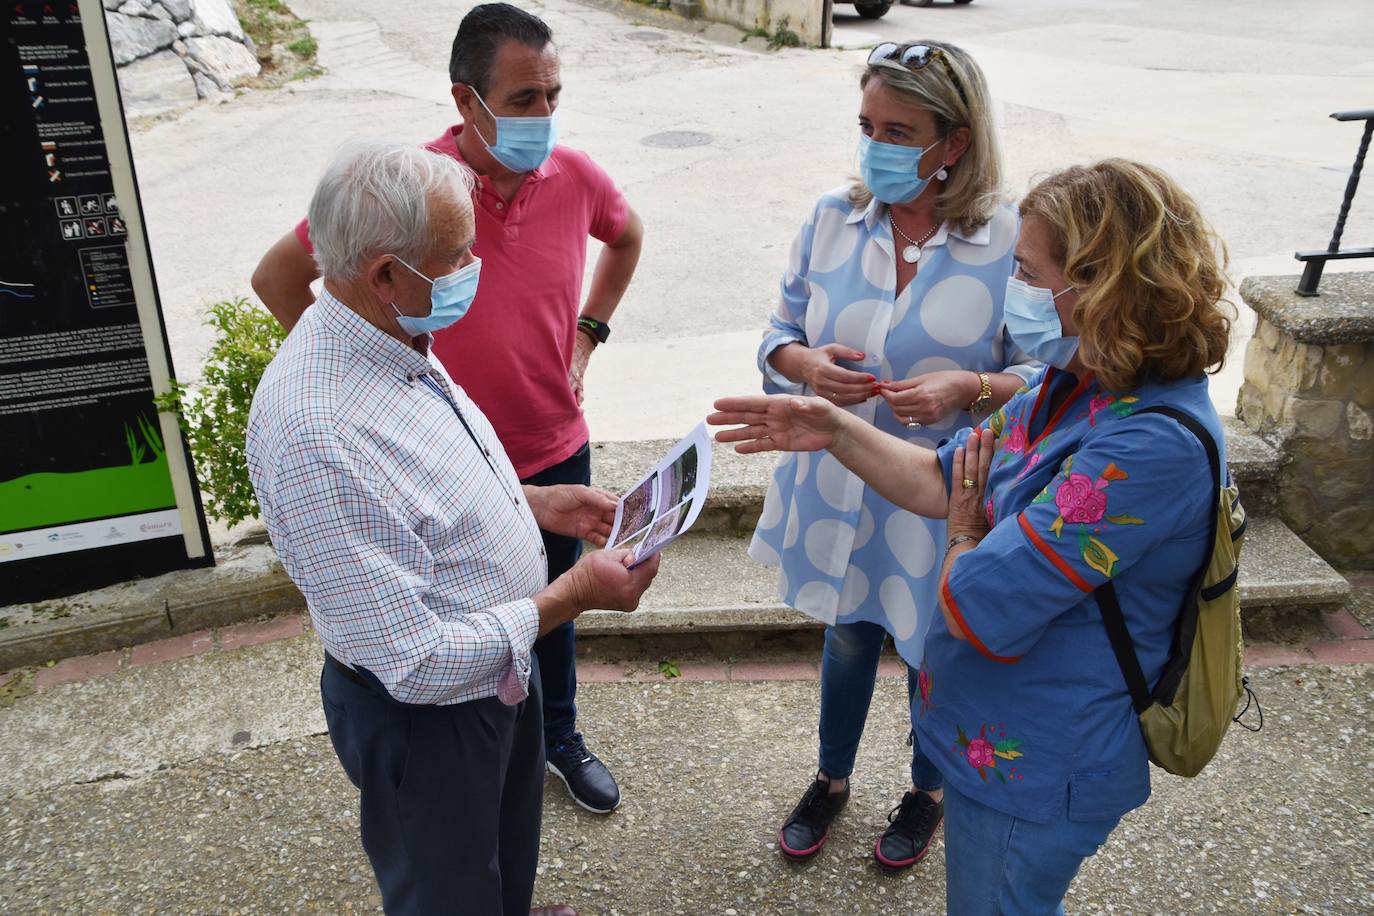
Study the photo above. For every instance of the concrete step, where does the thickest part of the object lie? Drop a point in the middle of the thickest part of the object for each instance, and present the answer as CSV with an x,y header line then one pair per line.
x,y
1254,464
740,482
709,585
1278,570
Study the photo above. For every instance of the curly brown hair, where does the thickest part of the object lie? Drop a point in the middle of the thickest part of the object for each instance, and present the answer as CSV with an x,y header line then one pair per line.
x,y
1149,271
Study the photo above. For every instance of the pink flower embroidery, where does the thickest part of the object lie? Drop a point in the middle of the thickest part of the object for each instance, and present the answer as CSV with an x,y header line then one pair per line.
x,y
1015,440
1079,500
982,754
979,753
988,509
1030,464
1097,404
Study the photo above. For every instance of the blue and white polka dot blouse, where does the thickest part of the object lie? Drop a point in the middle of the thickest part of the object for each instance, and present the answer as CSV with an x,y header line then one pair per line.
x,y
845,553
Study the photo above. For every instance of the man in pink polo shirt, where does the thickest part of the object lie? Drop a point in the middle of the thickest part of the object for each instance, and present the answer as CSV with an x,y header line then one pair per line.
x,y
522,349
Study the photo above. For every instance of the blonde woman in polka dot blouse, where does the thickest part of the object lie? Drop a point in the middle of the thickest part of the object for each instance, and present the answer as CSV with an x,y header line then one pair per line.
x,y
891,308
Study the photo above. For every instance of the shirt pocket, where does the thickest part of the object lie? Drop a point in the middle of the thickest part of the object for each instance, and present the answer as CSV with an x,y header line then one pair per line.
x,y
1108,792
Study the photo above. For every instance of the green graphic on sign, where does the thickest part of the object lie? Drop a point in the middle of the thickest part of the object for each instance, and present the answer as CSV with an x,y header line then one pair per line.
x,y
45,498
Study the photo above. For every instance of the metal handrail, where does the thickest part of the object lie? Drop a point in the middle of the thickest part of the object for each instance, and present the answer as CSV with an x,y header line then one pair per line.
x,y
1316,260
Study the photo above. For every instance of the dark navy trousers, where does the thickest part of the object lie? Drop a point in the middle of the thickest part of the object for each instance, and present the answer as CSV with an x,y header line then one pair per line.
x,y
451,796
556,651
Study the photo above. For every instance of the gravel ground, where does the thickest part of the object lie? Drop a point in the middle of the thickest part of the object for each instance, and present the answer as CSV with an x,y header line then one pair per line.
x,y
1281,823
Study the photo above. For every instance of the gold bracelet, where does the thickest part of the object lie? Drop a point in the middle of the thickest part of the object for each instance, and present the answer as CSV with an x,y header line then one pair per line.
x,y
984,394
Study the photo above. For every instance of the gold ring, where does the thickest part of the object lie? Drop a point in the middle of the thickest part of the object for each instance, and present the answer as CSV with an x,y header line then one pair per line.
x,y
969,484
913,424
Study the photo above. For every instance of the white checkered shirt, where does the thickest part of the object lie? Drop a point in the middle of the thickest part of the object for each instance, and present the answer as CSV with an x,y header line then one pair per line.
x,y
417,553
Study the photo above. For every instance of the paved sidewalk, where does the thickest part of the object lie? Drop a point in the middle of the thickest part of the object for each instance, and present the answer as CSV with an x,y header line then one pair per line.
x,y
1232,103
204,784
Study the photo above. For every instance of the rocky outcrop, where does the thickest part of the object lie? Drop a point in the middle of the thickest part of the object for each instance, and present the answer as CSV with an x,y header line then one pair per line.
x,y
172,52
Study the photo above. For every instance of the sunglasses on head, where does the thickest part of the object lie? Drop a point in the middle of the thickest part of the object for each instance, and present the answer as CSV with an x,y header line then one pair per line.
x,y
917,57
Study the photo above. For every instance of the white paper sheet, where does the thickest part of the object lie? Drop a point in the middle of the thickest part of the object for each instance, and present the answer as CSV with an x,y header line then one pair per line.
x,y
664,503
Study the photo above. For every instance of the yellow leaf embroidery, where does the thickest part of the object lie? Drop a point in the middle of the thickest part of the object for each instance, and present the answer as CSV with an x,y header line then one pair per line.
x,y
1009,755
1058,526
1100,557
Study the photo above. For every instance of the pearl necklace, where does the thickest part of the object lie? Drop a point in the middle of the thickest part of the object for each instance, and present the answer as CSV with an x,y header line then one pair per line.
x,y
912,252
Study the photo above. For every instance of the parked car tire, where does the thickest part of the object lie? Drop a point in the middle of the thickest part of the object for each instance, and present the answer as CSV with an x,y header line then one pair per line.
x,y
872,10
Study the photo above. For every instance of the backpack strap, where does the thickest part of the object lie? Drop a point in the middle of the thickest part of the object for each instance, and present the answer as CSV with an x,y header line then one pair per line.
x,y
1105,594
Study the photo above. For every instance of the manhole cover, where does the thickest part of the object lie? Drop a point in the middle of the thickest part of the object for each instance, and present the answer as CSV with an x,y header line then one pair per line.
x,y
647,36
678,139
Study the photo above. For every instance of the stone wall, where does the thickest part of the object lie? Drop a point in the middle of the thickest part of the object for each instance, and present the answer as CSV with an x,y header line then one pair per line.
x,y
171,53
805,17
1309,390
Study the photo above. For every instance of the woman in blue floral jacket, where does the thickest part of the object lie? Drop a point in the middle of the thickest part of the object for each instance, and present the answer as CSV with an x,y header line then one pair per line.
x,y
1021,704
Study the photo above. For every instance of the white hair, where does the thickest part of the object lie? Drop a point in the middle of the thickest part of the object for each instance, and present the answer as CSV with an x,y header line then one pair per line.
x,y
374,199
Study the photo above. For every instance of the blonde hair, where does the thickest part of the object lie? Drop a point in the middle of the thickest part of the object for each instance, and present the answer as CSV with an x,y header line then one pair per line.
x,y
972,192
1149,271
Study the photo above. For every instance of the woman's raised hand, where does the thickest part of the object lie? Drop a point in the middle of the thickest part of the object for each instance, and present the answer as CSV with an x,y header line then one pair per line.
x,y
971,468
777,423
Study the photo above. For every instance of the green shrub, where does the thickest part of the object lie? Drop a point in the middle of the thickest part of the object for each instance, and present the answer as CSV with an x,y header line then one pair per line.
x,y
303,47
784,38
214,417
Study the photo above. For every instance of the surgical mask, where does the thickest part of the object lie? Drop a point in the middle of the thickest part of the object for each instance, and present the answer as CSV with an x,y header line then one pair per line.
x,y
891,171
450,297
522,144
1033,323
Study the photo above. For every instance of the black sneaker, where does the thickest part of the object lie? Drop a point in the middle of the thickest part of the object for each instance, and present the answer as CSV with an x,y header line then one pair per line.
x,y
589,783
913,825
808,826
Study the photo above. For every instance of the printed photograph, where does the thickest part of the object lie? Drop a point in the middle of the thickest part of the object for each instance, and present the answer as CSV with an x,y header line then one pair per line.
x,y
679,481
636,510
664,529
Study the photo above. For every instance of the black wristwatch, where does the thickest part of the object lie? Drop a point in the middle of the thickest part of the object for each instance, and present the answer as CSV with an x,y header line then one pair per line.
x,y
598,330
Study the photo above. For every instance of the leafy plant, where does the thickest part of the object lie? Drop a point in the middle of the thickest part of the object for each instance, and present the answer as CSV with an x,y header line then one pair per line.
x,y
784,38
669,669
214,417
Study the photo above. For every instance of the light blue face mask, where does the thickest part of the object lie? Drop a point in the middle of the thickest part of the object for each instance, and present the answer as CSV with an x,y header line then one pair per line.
x,y
891,171
1033,323
522,144
450,297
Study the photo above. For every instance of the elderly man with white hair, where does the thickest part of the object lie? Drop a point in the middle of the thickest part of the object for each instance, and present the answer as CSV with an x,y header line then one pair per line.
x,y
397,514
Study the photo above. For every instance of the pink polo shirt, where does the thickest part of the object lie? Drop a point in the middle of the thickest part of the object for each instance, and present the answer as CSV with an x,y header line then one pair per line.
x,y
513,349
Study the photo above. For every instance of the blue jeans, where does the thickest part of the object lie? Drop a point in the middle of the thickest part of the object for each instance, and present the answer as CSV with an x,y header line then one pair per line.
x,y
849,669
999,864
556,651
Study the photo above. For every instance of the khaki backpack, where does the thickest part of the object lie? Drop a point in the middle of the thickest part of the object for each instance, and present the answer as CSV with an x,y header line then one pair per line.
x,y
1186,715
